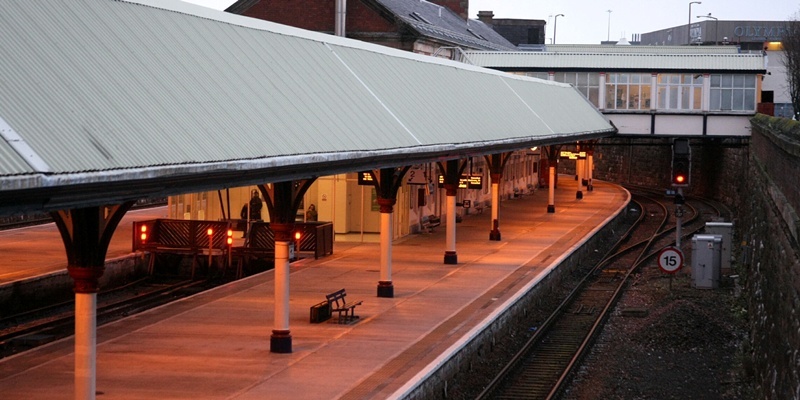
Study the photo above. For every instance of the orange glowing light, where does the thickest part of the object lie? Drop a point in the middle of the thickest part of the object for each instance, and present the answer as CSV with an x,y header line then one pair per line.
x,y
297,236
210,231
680,179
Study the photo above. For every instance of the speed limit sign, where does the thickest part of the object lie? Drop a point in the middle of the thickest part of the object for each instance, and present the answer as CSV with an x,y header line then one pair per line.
x,y
670,260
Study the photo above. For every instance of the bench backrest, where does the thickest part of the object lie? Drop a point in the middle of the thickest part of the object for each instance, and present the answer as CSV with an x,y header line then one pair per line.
x,y
337,297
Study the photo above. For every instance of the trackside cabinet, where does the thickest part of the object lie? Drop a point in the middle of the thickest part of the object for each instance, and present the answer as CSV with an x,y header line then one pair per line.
x,y
706,257
724,229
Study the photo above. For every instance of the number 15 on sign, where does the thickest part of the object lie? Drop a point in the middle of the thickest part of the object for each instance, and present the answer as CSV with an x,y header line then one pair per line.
x,y
670,260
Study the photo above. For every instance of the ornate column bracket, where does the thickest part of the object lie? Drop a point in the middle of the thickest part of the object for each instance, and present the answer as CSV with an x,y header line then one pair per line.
x,y
86,233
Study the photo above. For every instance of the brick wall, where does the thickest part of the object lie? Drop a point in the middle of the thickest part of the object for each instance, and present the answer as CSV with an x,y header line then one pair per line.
x,y
319,15
717,165
460,7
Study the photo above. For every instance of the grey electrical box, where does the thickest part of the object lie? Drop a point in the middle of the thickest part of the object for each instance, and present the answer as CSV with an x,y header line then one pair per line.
x,y
724,229
706,257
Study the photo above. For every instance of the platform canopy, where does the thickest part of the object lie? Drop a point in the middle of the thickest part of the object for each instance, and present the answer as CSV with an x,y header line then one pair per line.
x,y
104,101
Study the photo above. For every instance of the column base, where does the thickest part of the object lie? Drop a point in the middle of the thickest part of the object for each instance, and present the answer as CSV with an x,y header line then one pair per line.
x,y
450,257
280,342
551,208
579,195
494,235
590,187
385,289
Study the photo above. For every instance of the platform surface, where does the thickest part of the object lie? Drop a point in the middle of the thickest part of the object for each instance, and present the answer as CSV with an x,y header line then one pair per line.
x,y
215,345
38,250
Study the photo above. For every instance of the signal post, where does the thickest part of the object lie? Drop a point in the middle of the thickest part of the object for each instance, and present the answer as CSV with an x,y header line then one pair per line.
x,y
679,178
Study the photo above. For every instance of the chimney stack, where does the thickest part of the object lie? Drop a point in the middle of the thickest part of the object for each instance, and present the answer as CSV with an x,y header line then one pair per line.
x,y
460,7
486,17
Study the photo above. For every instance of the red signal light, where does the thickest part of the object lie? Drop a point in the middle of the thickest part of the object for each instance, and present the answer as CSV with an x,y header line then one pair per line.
x,y
680,179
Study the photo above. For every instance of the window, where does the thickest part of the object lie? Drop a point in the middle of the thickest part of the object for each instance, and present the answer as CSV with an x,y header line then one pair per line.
x,y
588,83
540,75
680,91
733,92
627,91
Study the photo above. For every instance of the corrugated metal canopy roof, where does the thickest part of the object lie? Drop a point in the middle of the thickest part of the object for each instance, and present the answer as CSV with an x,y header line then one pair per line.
x,y
618,61
176,97
638,49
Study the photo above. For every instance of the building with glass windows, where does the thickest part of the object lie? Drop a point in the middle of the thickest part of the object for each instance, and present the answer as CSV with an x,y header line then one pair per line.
x,y
760,37
650,90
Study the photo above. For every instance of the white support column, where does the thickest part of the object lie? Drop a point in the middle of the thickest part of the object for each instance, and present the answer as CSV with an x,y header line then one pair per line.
x,y
386,247
85,345
385,285
601,92
495,200
494,232
450,256
706,106
654,91
589,168
551,199
281,339
579,168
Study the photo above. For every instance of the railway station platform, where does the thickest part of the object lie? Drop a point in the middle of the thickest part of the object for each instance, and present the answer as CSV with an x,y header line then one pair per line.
x,y
215,345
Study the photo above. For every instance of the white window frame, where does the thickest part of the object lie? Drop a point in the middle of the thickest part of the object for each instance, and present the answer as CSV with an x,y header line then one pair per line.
x,y
637,89
681,92
731,92
588,83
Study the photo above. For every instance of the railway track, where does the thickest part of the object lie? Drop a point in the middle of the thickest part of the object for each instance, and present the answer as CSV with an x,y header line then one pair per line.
x,y
543,366
33,328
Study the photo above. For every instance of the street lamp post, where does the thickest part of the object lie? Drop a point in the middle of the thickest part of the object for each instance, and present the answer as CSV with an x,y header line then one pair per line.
x,y
716,27
608,39
689,26
555,26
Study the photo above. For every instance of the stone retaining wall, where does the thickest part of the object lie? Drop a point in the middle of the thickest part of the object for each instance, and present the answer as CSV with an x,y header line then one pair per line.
x,y
771,257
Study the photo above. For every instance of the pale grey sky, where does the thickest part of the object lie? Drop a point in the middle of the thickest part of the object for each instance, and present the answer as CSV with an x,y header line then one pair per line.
x,y
587,21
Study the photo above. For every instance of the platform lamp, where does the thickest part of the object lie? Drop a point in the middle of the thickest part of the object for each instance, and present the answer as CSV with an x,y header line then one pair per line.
x,y
716,27
230,247
555,26
689,26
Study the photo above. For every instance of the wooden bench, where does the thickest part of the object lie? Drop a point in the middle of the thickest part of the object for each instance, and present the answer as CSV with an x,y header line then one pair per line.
x,y
339,304
429,222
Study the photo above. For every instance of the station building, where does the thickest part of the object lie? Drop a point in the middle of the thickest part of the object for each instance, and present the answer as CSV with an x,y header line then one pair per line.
x,y
759,37
650,90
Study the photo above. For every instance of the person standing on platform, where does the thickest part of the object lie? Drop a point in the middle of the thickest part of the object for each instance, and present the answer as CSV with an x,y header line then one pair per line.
x,y
255,206
311,214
